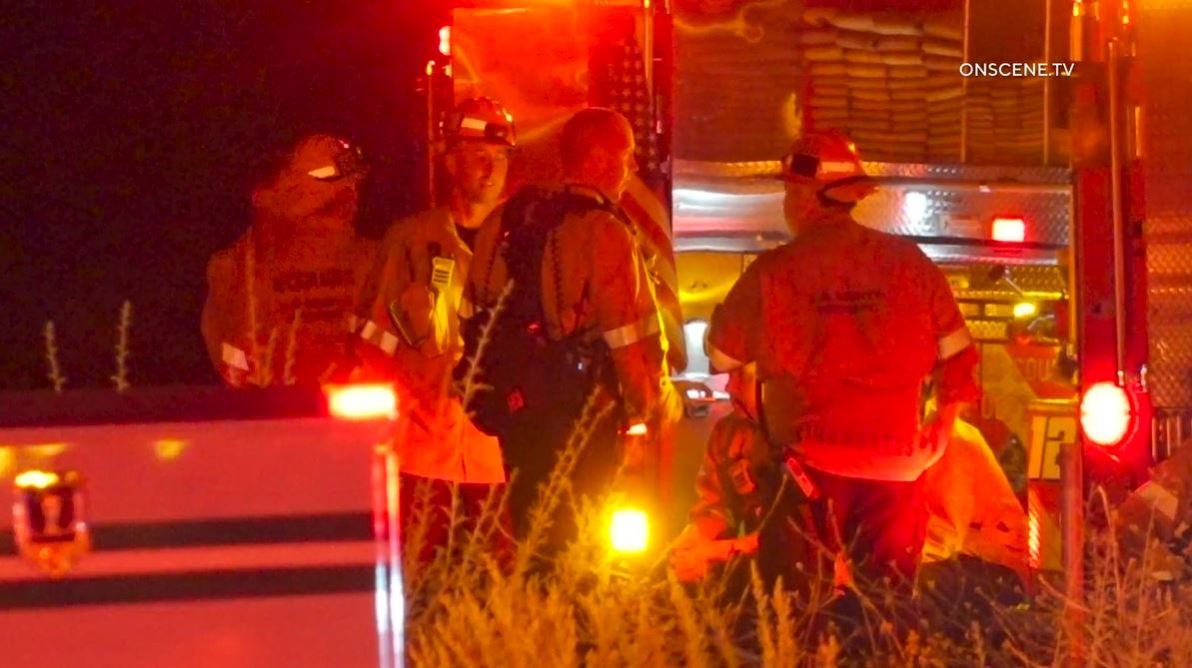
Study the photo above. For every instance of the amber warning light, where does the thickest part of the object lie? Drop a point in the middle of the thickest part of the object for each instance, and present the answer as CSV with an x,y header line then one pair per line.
x,y
637,429
362,402
1009,230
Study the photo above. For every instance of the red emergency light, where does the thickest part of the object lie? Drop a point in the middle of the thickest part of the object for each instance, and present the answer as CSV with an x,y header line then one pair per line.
x,y
445,40
362,402
1106,414
1009,230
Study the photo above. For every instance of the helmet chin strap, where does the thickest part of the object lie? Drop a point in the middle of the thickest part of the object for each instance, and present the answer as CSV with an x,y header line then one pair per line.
x,y
827,200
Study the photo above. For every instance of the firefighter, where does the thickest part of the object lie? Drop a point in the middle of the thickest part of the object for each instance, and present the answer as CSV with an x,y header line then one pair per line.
x,y
735,489
279,299
594,286
409,323
729,500
990,525
845,324
1155,520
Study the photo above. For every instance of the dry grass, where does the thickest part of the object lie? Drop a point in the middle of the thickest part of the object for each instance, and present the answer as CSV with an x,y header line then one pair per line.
x,y
123,330
54,369
589,609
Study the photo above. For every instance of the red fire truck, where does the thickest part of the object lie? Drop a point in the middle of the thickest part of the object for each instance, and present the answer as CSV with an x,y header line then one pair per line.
x,y
1051,202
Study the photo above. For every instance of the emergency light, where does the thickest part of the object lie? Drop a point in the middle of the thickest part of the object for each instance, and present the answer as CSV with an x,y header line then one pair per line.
x,y
49,519
629,531
362,402
1106,414
1009,230
445,40
637,429
1024,310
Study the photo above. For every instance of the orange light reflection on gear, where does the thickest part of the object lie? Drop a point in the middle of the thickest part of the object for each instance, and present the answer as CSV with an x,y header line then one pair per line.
x,y
1034,555
738,25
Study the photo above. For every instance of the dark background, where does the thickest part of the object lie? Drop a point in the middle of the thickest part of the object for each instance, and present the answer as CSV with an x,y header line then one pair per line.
x,y
127,131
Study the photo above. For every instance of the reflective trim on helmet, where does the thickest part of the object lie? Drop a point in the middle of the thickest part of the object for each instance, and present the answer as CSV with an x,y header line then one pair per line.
x,y
370,328
473,123
828,167
234,357
1160,499
952,344
323,173
378,337
388,343
348,161
633,332
721,362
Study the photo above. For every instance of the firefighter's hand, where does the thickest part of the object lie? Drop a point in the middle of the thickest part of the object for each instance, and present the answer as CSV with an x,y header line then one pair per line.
x,y
691,560
413,314
938,432
694,554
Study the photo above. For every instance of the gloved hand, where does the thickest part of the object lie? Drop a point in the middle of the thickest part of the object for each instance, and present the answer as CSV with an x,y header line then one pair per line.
x,y
693,554
938,432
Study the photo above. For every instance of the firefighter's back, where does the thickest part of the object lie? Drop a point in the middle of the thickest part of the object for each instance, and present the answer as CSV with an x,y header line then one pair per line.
x,y
850,318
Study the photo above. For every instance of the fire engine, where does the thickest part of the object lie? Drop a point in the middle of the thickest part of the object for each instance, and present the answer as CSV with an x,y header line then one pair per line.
x,y
1051,202
1054,205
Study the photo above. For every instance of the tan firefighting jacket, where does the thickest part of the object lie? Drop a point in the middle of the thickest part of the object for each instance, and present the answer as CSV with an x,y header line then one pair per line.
x,y
727,476
409,321
971,507
855,320
593,278
652,226
297,291
1157,517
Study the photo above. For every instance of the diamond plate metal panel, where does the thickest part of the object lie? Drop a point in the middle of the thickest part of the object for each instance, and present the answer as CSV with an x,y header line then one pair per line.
x,y
1035,282
936,208
975,173
1167,144
933,202
987,330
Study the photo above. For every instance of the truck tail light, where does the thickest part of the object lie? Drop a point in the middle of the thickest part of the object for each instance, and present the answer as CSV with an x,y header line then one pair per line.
x,y
1106,414
1009,230
362,402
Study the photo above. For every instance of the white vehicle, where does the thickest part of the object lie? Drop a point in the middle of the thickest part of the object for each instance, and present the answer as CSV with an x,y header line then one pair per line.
x,y
198,527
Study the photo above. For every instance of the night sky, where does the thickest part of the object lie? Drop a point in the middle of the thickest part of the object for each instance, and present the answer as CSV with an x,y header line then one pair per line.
x,y
127,133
